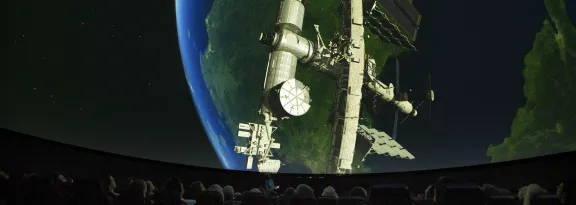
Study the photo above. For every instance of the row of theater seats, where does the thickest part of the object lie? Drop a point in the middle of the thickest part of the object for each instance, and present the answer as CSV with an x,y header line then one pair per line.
x,y
383,194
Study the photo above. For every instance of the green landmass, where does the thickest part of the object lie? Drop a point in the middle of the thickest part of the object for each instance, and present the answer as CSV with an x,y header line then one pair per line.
x,y
235,64
547,122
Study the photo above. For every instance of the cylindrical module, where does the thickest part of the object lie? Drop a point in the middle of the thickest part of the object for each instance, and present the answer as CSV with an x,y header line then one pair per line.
x,y
288,47
291,16
301,47
286,40
281,67
386,93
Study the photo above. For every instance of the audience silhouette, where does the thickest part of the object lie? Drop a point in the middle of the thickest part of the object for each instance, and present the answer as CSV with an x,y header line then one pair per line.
x,y
30,189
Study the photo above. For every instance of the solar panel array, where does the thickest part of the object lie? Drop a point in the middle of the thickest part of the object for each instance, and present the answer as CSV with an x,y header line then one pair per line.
x,y
383,144
390,29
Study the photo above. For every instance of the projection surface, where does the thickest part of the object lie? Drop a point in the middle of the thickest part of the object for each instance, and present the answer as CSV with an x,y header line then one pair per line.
x,y
414,85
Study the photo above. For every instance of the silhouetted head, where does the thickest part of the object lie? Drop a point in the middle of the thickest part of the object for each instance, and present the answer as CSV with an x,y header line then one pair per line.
x,y
503,191
228,192
69,180
289,191
195,189
304,190
527,193
429,193
218,189
4,175
59,178
174,187
358,192
490,189
150,187
138,188
440,188
107,183
255,190
329,191
566,192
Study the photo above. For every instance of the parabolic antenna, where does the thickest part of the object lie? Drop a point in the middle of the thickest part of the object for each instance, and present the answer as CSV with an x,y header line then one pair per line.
x,y
294,97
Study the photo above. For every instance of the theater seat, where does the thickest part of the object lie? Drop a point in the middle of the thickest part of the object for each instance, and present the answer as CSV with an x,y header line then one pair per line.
x,y
273,200
546,199
252,198
210,198
327,200
390,193
351,200
283,200
423,201
302,200
470,194
503,200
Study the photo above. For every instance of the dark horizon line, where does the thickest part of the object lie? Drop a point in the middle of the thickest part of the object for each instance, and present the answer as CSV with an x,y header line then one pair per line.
x,y
10,135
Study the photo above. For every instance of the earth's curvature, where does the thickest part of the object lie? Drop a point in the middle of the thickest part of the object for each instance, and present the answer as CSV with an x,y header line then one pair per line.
x,y
190,15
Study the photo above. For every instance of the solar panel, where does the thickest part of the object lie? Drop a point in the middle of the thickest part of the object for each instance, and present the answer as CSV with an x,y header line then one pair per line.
x,y
394,21
383,144
410,11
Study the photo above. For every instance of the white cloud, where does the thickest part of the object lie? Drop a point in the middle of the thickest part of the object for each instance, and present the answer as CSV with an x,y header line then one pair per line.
x,y
222,140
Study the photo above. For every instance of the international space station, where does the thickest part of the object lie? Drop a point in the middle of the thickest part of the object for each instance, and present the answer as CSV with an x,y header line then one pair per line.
x,y
344,59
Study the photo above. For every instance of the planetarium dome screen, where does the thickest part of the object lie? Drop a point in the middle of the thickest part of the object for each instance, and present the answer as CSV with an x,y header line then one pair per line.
x,y
300,86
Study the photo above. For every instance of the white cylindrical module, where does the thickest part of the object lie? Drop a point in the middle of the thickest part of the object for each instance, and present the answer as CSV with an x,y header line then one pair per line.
x,y
405,107
281,67
301,47
287,48
386,93
291,15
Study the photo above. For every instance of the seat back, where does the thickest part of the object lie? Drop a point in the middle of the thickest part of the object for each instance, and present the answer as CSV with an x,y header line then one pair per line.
x,y
302,200
252,198
327,200
210,198
470,194
351,200
546,199
503,200
389,193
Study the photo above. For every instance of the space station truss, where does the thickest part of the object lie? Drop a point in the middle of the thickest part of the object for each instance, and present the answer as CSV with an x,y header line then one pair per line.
x,y
394,21
260,142
269,166
382,144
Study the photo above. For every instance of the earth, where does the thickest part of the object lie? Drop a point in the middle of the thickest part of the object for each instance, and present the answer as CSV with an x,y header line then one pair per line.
x,y
225,67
